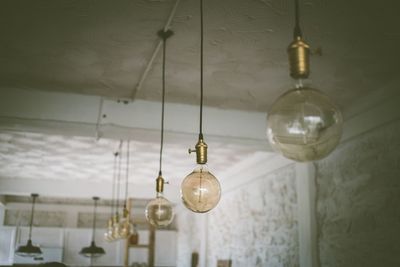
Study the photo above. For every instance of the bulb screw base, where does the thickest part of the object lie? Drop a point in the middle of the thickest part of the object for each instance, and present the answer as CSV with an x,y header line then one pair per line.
x,y
125,213
299,58
201,151
160,184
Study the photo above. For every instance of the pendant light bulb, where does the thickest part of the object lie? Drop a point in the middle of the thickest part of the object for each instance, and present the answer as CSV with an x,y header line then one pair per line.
x,y
108,235
159,211
200,190
92,250
125,225
116,229
30,250
303,124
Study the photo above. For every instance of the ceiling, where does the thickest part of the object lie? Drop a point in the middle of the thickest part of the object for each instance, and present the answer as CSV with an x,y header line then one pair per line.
x,y
105,48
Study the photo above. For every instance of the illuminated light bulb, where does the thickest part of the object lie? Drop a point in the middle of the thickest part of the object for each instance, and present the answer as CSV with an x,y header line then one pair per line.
x,y
304,124
200,190
159,211
116,230
108,235
125,226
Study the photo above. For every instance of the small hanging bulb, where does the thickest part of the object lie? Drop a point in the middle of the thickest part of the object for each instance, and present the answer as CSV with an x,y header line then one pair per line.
x,y
200,190
125,225
303,124
159,211
116,230
108,235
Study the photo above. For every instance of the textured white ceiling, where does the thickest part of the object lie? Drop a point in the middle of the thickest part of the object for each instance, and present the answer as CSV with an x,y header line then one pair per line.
x,y
55,157
102,47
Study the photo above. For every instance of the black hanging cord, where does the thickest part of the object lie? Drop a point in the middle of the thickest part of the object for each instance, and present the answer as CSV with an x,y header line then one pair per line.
x,y
113,183
119,176
94,217
127,173
34,196
164,35
201,69
297,31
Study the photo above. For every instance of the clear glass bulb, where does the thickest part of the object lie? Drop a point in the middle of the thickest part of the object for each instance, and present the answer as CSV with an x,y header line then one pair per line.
x,y
125,228
108,235
303,124
116,230
159,211
200,190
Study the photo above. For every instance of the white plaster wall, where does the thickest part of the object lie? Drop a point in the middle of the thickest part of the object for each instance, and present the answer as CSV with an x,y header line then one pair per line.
x,y
256,225
189,236
358,196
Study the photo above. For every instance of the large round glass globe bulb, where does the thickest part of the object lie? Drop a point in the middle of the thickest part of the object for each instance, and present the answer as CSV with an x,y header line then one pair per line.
x,y
304,125
200,190
159,211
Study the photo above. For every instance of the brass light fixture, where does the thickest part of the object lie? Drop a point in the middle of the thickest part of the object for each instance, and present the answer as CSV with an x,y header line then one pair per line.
x,y
30,250
303,124
93,250
159,211
116,229
200,190
108,235
125,225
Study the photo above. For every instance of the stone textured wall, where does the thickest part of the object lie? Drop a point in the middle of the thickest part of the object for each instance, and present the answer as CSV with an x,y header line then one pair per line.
x,y
358,197
189,236
256,225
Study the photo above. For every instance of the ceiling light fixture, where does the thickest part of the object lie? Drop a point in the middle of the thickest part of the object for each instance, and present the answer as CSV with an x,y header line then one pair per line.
x,y
29,250
125,225
93,250
200,190
108,235
303,124
159,211
116,229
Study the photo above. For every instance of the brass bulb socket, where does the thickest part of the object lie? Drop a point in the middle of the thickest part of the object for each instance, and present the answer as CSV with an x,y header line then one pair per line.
x,y
299,59
160,184
125,213
116,219
201,152
110,222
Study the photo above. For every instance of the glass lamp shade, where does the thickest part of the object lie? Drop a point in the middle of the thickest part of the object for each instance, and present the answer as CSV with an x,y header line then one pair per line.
x,y
304,125
200,190
29,250
125,228
159,211
92,251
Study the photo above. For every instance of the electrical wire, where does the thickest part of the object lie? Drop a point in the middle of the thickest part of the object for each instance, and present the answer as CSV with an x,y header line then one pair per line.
x,y
113,182
119,176
162,105
201,68
127,173
297,31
